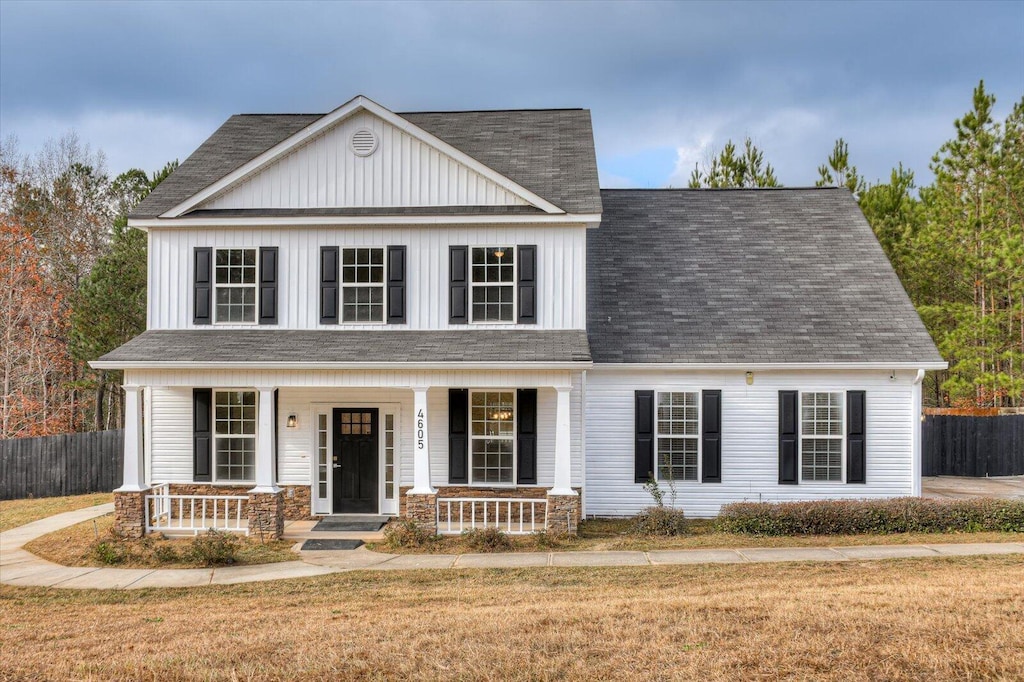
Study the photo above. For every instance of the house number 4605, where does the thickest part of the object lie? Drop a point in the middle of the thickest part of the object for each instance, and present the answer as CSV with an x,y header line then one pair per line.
x,y
420,427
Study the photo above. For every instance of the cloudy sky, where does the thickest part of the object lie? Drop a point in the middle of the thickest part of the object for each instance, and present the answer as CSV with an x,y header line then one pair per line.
x,y
147,82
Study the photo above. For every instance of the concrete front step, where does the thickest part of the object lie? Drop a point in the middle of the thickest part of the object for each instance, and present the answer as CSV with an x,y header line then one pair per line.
x,y
298,531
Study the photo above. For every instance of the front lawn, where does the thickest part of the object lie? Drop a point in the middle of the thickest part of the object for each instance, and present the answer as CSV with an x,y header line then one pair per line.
x,y
14,513
614,534
913,619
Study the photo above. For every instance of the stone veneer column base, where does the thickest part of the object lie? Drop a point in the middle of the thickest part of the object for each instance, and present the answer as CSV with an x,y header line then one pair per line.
x,y
423,510
563,515
266,515
130,514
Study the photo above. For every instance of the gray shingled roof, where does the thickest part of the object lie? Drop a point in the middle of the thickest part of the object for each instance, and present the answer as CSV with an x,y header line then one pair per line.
x,y
744,276
341,346
549,152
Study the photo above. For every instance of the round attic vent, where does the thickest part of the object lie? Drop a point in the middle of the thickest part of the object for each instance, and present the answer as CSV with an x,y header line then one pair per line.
x,y
364,142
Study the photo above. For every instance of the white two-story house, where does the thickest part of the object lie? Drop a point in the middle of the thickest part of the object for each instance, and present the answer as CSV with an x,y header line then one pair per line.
x,y
442,316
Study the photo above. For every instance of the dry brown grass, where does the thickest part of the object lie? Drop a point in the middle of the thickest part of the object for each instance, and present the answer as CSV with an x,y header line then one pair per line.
x,y
918,619
14,513
73,546
614,535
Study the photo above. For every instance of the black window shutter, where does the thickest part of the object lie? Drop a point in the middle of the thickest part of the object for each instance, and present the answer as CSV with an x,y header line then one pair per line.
x,y
527,289
458,285
856,423
526,443
277,474
711,436
202,434
788,451
203,286
643,452
396,285
458,435
268,285
329,285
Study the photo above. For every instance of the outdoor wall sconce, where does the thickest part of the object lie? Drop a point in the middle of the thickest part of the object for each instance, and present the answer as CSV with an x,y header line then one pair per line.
x,y
750,378
292,421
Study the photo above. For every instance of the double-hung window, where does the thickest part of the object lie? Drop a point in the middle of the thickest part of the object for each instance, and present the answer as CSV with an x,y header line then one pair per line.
x,y
821,436
235,284
493,284
234,436
362,285
493,437
678,436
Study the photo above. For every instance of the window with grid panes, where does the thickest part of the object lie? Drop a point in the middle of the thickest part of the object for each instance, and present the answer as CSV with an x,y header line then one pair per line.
x,y
678,436
362,285
821,436
235,284
492,414
493,284
235,435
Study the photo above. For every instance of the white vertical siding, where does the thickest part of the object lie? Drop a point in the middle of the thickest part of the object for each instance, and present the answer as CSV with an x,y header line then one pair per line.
x,y
749,438
561,270
325,173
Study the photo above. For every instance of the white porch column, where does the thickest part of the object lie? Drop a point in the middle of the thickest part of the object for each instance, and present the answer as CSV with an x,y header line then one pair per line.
x,y
420,444
563,449
134,448
265,443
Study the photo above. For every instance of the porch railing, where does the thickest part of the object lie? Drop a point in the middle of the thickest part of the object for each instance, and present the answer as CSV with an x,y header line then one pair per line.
x,y
514,516
195,513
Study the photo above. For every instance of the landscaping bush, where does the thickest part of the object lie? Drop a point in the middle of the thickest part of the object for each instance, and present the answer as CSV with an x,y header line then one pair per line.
x,y
488,539
549,539
854,517
166,554
406,533
214,548
659,521
110,551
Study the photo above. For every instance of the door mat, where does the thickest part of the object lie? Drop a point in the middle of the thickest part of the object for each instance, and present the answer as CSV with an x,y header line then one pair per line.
x,y
330,544
340,525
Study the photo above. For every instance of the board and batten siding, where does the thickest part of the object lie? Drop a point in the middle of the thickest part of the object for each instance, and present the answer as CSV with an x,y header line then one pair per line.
x,y
402,171
561,271
750,423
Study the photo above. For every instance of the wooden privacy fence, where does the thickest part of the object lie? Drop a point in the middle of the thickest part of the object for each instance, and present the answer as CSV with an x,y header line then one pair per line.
x,y
954,445
71,464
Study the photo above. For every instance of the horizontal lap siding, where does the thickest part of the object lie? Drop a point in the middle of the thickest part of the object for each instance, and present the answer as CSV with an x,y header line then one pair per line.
x,y
171,432
561,270
749,439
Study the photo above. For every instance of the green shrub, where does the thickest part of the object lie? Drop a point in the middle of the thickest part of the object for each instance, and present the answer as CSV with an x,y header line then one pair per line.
x,y
489,539
659,521
166,554
549,539
110,551
406,533
214,548
853,517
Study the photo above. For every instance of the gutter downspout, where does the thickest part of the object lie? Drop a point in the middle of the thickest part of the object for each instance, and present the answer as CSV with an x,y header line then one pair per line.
x,y
915,430
583,444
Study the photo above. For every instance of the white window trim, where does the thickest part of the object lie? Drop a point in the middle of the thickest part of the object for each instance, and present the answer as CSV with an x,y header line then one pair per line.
x,y
255,286
658,436
514,438
342,285
215,436
841,437
515,284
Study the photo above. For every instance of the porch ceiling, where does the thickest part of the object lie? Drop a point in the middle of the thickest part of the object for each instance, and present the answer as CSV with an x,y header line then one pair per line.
x,y
270,346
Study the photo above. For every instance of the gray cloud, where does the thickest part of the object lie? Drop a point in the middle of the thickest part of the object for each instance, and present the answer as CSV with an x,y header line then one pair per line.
x,y
148,81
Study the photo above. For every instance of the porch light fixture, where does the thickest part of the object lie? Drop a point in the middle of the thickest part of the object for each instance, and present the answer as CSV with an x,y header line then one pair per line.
x,y
292,421
750,378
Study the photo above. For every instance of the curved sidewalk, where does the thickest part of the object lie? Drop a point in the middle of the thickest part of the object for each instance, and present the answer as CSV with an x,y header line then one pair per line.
x,y
20,567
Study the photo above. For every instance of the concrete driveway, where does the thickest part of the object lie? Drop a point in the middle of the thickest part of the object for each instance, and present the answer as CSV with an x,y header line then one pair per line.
x,y
965,487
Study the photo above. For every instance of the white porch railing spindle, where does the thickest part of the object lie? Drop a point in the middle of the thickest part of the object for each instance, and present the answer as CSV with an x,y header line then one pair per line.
x,y
226,512
482,516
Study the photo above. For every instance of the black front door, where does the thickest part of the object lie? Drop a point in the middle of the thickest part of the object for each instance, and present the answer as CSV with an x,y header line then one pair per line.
x,y
355,461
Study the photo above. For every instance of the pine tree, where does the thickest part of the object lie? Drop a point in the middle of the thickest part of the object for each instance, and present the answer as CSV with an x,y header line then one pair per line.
x,y
732,169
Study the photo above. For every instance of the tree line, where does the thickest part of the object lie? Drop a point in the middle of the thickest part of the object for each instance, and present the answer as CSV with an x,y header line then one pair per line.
x,y
956,244
73,275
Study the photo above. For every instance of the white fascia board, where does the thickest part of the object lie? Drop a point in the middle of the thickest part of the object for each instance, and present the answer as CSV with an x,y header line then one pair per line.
x,y
356,104
570,219
356,366
764,366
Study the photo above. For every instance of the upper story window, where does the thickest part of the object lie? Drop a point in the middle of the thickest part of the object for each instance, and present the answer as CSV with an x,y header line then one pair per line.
x,y
235,283
492,414
678,430
493,284
821,436
362,285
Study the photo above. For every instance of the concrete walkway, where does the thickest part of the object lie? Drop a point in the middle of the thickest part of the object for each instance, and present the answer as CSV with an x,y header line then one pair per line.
x,y
19,567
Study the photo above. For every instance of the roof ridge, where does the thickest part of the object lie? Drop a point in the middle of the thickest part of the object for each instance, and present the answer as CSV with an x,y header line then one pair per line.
x,y
489,111
718,189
